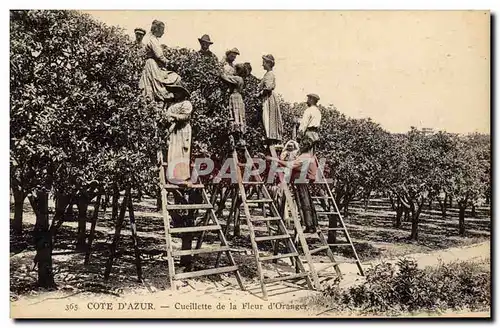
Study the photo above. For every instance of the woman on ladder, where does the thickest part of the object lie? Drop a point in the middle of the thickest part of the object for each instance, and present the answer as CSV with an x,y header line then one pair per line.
x,y
236,105
155,75
179,135
271,113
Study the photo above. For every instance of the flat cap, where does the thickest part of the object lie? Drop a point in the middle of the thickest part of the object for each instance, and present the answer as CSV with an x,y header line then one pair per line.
x,y
234,50
313,95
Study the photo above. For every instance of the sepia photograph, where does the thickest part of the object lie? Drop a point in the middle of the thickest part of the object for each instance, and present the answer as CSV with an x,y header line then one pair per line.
x,y
170,164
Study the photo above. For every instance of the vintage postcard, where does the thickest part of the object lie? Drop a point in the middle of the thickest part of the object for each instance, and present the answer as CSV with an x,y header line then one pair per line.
x,y
250,164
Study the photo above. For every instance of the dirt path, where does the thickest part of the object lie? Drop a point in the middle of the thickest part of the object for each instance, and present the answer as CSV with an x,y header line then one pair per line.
x,y
202,299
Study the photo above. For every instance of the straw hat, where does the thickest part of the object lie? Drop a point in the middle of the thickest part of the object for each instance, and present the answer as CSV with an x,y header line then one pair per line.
x,y
269,58
179,85
140,31
234,51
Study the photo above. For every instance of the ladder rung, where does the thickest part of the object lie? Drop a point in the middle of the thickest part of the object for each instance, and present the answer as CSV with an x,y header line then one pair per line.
x,y
189,206
339,244
290,277
253,182
207,272
329,265
195,229
319,249
268,218
200,251
327,213
275,237
175,187
333,229
321,197
312,234
279,256
254,201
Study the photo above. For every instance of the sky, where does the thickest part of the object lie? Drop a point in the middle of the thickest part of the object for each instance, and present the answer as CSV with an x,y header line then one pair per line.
x,y
428,69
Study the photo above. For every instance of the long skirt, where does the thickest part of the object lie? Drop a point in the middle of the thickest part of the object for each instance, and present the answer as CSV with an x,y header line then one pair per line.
x,y
237,112
305,203
271,117
154,79
179,153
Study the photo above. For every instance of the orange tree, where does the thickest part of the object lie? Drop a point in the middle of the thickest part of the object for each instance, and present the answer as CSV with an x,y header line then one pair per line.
x,y
77,122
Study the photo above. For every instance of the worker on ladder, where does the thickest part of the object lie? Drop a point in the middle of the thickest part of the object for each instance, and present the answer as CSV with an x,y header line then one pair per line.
x,y
304,170
310,122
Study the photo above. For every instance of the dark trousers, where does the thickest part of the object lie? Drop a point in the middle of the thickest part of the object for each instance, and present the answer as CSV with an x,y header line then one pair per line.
x,y
306,205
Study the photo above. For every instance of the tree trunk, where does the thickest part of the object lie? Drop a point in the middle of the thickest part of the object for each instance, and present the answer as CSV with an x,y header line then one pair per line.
x,y
83,204
17,223
158,200
399,214
450,201
393,206
69,211
43,240
407,214
367,201
487,197
473,211
62,202
332,223
346,207
442,206
461,220
415,220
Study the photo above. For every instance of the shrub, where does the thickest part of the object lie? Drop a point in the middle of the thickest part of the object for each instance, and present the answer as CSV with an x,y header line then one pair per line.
x,y
405,287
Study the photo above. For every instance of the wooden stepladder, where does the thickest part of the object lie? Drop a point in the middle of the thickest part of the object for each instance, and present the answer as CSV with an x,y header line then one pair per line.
x,y
322,195
208,223
305,239
281,239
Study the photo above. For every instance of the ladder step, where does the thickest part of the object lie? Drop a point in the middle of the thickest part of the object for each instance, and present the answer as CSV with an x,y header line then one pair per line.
x,y
176,187
289,277
200,251
279,256
333,229
321,197
327,213
256,201
275,237
253,182
329,265
267,218
207,272
310,235
189,207
195,229
319,249
339,244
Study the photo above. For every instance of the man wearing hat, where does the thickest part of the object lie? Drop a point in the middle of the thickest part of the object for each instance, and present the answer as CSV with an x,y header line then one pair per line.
x,y
205,44
310,122
139,35
229,61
